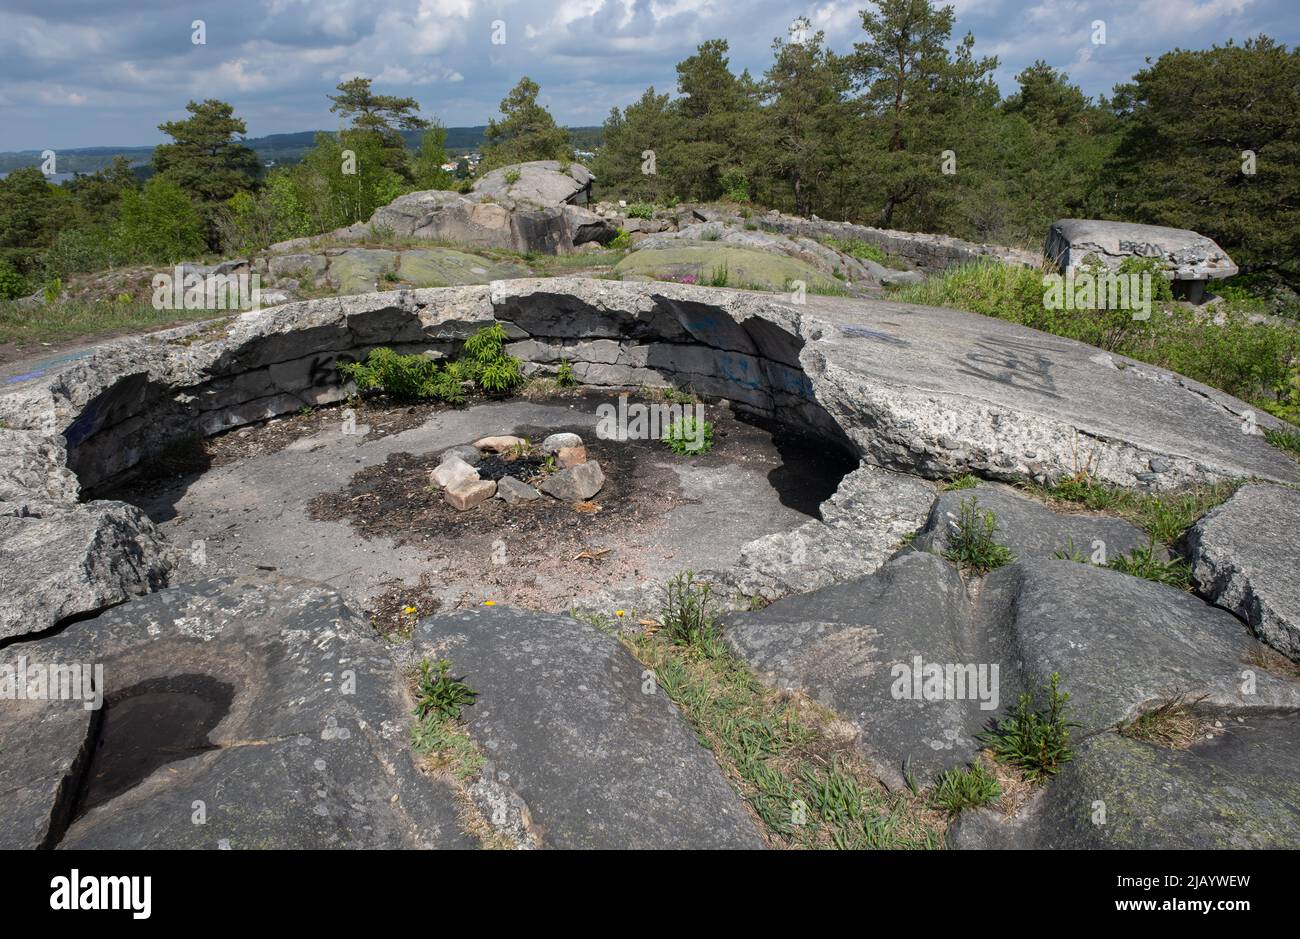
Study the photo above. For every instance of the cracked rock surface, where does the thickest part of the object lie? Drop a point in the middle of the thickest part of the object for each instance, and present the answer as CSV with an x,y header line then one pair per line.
x,y
300,730
576,728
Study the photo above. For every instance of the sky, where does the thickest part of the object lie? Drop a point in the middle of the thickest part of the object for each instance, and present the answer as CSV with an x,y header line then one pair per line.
x,y
76,73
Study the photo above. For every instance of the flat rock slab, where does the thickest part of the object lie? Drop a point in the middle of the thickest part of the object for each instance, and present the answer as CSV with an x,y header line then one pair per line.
x,y
444,267
262,698
565,721
361,270
841,645
1029,528
70,559
744,267
1246,557
1239,790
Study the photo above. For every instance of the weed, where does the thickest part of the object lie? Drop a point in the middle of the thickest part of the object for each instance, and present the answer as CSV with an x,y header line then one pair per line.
x,y
687,436
686,616
971,541
718,277
640,210
512,177
966,481
438,694
1143,562
1287,441
1036,742
564,374
959,789
620,242
1164,516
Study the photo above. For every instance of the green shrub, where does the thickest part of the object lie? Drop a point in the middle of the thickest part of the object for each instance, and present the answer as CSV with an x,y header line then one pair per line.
x,y
640,210
439,695
735,186
718,277
620,242
488,365
159,224
1036,742
1285,440
512,177
686,616
971,540
959,789
76,251
564,374
12,284
686,436
405,377
965,481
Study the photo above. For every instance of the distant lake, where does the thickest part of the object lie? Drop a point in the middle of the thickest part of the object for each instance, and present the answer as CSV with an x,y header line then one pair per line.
x,y
56,178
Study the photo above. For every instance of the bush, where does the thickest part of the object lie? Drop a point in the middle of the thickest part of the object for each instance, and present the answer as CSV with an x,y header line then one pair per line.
x,y
564,374
405,377
1035,742
75,251
620,242
971,541
12,284
640,210
159,224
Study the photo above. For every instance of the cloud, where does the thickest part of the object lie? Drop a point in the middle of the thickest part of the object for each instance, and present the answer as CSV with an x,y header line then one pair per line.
x,y
83,72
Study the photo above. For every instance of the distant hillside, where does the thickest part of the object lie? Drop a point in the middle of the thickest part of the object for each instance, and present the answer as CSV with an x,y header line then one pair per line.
x,y
282,149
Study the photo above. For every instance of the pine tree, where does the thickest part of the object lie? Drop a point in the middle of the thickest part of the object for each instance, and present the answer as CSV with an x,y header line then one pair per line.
x,y
525,132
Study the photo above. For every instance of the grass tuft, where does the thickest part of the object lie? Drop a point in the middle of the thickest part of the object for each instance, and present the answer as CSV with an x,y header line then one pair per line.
x,y
1036,742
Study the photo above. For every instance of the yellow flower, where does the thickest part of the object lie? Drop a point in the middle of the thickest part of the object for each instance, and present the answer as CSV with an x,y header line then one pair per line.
x,y
618,612
489,603
408,610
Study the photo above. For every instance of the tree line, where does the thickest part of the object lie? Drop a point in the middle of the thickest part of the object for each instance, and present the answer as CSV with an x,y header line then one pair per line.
x,y
907,129
209,193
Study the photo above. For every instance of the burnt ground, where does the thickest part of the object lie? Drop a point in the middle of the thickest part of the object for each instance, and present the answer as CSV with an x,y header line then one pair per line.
x,y
298,496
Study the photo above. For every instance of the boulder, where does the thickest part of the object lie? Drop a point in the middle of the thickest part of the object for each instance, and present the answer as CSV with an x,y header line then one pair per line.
x,y
502,443
575,484
68,559
513,491
1245,557
464,451
571,456
451,471
464,494
555,442
1184,255
546,182
254,712
34,467
576,730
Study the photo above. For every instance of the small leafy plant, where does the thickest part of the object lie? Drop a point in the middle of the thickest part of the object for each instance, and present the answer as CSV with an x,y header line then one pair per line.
x,y
1036,742
439,695
971,540
512,177
564,374
965,481
688,436
405,377
620,242
959,789
640,210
